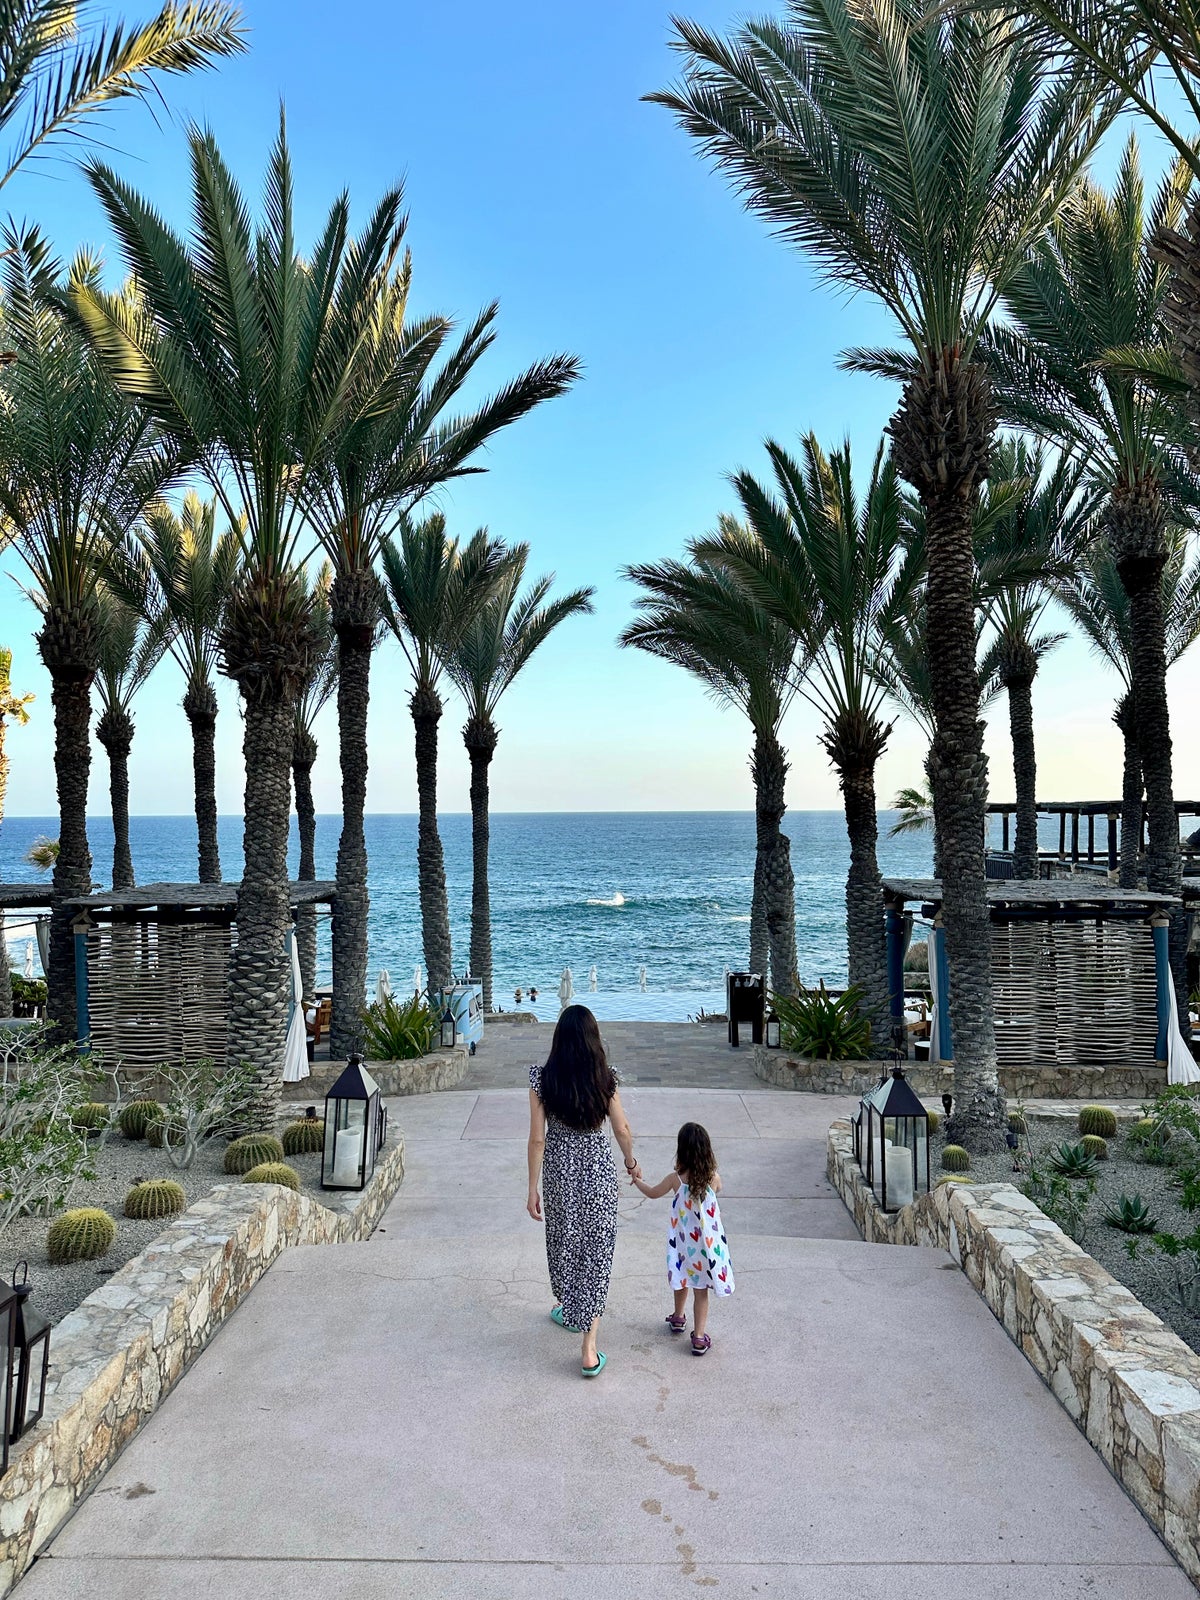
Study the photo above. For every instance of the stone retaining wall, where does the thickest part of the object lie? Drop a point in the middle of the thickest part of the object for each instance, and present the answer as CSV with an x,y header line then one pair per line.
x,y
114,1358
440,1069
784,1071
1131,1384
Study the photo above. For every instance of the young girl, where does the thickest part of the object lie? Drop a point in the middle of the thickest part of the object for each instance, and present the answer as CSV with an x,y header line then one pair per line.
x,y
697,1251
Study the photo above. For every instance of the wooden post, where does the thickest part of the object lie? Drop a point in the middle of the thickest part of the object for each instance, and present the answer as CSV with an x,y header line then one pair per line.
x,y
1112,841
1004,831
1091,835
1074,836
1062,833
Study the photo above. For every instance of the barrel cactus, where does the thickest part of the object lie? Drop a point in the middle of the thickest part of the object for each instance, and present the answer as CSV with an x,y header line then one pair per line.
x,y
1017,1123
1098,1120
1148,1130
160,1132
953,1179
273,1172
91,1118
955,1159
1095,1146
304,1138
135,1117
935,1121
80,1235
154,1197
251,1150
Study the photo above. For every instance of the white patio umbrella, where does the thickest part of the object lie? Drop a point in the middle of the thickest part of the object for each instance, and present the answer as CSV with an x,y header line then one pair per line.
x,y
418,981
295,1057
383,986
592,980
642,979
566,988
29,958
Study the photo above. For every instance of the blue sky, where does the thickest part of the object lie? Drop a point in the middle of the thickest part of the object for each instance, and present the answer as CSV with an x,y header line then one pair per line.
x,y
535,175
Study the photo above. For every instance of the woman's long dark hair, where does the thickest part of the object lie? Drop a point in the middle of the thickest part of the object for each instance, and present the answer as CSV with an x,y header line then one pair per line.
x,y
577,1081
695,1161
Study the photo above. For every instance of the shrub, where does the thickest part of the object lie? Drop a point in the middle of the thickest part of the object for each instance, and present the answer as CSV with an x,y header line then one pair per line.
x,y
1098,1120
201,1099
42,1156
1063,1200
274,1172
304,1138
134,1118
1095,1146
29,995
1131,1214
93,1117
823,1026
80,1235
1073,1161
398,1031
154,1197
251,1150
955,1159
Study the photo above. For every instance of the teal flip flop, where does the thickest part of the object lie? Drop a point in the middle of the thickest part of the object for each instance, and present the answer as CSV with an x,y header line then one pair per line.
x,y
557,1316
601,1363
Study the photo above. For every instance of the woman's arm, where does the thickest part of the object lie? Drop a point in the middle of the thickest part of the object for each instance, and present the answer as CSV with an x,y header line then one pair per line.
x,y
623,1133
537,1143
656,1191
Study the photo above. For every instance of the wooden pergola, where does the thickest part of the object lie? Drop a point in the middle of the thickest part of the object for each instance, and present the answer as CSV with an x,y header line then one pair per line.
x,y
1072,812
1080,975
152,968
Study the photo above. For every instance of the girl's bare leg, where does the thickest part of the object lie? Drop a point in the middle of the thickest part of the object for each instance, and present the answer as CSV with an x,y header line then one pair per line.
x,y
588,1353
680,1302
699,1310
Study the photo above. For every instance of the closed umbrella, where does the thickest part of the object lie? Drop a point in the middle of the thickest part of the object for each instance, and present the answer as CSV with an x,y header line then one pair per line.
x,y
642,979
295,1057
383,986
418,981
566,988
29,958
592,980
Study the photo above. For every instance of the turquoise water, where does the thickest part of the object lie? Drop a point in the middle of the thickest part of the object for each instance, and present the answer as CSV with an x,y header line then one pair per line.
x,y
667,891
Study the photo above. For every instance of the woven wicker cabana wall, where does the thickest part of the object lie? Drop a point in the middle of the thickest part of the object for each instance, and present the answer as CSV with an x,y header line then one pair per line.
x,y
1074,993
158,991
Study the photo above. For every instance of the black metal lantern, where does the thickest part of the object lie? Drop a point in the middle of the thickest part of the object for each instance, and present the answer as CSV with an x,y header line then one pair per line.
x,y
897,1142
772,1030
31,1331
355,1125
449,1030
8,1315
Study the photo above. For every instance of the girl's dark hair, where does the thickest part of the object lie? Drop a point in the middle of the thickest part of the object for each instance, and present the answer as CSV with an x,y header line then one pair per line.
x,y
694,1159
577,1082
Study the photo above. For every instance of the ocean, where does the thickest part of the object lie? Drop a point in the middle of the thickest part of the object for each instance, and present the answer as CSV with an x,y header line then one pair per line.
x,y
667,892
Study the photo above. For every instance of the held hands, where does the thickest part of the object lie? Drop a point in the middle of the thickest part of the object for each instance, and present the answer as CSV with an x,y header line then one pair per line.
x,y
534,1205
635,1173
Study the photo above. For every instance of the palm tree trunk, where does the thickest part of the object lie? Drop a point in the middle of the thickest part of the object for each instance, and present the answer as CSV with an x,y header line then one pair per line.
x,y
480,736
115,732
259,972
1020,723
1135,523
769,767
942,436
200,708
426,707
937,836
354,599
304,754
760,949
67,644
867,949
1131,793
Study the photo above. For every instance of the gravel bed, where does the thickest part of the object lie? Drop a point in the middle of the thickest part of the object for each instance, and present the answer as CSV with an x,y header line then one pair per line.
x,y
118,1163
1133,1260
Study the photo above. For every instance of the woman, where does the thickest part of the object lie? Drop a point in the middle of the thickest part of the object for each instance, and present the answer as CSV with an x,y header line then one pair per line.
x,y
570,1098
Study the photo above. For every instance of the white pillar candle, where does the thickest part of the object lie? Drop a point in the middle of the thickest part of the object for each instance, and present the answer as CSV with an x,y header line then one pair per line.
x,y
347,1155
899,1176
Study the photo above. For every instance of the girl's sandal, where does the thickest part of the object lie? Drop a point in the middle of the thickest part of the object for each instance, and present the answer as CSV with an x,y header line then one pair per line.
x,y
601,1363
676,1324
701,1344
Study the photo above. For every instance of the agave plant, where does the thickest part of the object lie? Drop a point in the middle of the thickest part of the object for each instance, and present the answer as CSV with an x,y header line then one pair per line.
x,y
1073,1161
396,1030
1131,1214
824,1026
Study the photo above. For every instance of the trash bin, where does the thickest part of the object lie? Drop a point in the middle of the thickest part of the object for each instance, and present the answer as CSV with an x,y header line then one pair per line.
x,y
745,994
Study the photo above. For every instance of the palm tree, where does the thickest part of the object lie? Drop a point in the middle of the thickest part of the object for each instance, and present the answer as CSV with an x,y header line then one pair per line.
x,y
916,154
317,691
194,572
830,567
1093,288
433,591
246,350
398,443
1018,547
57,73
132,643
78,465
1099,605
491,653
699,617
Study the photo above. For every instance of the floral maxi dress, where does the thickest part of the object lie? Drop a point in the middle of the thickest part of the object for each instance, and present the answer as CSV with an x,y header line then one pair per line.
x,y
579,1198
697,1249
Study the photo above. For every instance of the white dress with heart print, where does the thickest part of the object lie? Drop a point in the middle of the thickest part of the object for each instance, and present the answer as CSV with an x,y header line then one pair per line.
x,y
697,1249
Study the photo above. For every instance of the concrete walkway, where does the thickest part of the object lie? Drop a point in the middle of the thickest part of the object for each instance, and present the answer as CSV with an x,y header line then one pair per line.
x,y
401,1419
